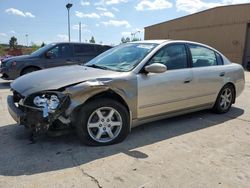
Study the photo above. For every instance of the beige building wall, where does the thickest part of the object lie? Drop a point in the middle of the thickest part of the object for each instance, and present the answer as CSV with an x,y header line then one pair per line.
x,y
223,28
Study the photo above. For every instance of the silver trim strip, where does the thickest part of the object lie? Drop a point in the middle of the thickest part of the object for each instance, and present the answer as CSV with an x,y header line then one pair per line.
x,y
172,101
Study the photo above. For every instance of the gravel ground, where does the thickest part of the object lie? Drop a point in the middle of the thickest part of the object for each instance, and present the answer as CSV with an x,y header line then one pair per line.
x,y
195,150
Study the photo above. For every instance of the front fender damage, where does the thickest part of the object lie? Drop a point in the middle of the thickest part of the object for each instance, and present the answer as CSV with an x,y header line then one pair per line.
x,y
80,93
40,120
125,88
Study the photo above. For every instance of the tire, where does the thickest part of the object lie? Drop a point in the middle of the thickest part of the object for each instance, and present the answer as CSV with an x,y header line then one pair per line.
x,y
224,100
29,70
95,127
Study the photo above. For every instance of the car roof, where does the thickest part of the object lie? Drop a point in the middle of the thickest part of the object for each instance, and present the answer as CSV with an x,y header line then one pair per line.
x,y
152,41
159,42
82,43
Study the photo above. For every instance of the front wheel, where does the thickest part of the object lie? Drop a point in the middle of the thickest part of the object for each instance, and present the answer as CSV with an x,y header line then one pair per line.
x,y
102,122
29,70
224,100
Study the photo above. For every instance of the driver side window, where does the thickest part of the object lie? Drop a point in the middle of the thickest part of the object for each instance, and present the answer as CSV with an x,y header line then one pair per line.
x,y
61,51
54,51
173,56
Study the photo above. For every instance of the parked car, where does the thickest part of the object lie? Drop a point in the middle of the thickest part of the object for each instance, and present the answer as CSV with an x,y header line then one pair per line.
x,y
4,57
51,55
126,86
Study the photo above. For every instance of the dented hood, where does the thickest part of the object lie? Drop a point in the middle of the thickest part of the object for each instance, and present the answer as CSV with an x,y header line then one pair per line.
x,y
56,78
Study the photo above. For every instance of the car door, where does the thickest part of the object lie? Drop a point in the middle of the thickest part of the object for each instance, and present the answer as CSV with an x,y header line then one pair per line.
x,y
169,91
83,53
208,74
60,55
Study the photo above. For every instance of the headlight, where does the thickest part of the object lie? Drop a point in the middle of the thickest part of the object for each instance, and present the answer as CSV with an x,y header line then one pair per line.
x,y
50,102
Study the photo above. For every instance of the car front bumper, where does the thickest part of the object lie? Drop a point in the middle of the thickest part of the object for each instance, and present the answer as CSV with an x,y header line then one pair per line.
x,y
4,73
31,117
8,73
14,111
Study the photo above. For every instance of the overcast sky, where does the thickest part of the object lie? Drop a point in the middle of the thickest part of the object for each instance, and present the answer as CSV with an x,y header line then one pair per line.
x,y
106,20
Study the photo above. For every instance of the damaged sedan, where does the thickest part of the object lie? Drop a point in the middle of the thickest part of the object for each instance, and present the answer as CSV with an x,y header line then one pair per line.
x,y
126,86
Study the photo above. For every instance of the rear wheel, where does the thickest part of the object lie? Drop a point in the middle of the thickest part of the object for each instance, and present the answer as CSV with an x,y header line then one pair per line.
x,y
29,70
102,122
224,100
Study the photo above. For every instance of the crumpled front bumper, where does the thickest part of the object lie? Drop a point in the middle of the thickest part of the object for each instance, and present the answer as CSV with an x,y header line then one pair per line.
x,y
31,117
14,111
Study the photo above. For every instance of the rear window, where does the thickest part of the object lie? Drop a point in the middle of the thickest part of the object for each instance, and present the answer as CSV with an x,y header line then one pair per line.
x,y
84,49
101,49
219,59
202,56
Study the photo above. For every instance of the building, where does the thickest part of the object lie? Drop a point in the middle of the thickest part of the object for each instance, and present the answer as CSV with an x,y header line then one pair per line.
x,y
226,28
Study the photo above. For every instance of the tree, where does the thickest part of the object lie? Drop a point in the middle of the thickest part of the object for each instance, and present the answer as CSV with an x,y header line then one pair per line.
x,y
13,42
92,40
34,47
43,44
125,40
135,39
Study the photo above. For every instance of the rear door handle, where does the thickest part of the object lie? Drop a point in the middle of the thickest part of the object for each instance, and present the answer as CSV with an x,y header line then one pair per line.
x,y
222,74
188,80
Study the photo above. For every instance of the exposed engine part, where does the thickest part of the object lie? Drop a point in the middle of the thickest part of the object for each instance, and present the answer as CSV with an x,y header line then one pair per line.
x,y
48,103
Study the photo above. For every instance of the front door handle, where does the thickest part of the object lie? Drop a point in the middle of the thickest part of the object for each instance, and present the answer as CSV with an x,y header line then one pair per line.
x,y
222,74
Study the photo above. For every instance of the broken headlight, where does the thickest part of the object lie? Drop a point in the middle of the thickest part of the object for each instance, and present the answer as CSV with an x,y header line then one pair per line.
x,y
51,102
48,102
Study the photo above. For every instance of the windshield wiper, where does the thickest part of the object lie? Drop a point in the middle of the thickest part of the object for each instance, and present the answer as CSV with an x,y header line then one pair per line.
x,y
97,66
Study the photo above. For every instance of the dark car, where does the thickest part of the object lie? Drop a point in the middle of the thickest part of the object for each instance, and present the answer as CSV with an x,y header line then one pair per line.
x,y
51,55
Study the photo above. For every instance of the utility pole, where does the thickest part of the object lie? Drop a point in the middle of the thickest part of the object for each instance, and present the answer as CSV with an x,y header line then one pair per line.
x,y
80,32
68,6
27,41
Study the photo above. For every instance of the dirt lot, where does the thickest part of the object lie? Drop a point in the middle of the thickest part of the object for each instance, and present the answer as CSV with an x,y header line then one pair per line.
x,y
196,150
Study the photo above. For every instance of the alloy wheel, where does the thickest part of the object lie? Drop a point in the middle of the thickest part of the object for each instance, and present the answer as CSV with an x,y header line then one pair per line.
x,y
226,98
104,124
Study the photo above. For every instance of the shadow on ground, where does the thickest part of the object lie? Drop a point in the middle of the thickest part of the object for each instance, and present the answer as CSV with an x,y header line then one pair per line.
x,y
18,157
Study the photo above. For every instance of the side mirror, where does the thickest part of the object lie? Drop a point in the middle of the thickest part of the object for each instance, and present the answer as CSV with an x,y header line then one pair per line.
x,y
156,68
48,55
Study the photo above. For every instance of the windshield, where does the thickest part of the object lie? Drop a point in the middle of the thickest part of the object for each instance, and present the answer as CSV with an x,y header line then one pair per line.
x,y
122,58
40,51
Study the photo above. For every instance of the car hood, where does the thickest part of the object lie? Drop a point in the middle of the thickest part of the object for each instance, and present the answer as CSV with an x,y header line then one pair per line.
x,y
56,78
18,58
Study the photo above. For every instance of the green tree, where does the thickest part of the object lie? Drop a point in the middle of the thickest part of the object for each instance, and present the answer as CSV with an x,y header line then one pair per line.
x,y
13,42
43,44
123,40
92,40
135,39
127,39
34,46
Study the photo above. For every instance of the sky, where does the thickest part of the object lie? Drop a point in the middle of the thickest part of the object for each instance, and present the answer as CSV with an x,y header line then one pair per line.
x,y
107,20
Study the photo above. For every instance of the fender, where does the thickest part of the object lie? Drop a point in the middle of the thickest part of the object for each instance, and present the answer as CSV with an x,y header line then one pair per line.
x,y
81,92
